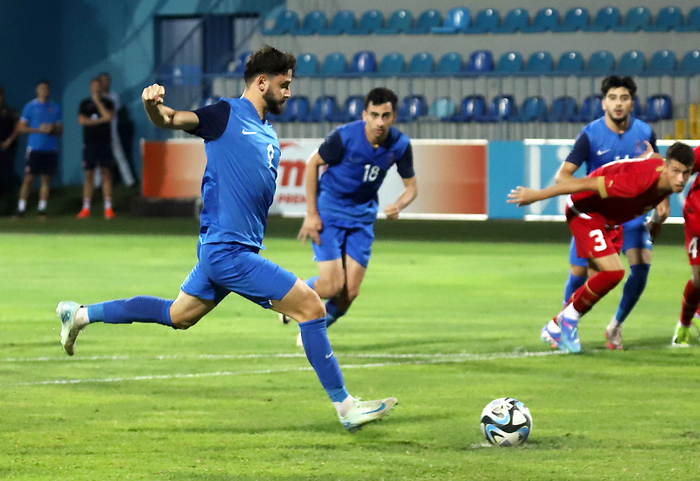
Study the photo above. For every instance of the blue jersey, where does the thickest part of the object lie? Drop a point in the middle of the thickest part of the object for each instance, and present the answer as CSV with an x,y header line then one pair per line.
x,y
36,113
243,154
597,145
347,190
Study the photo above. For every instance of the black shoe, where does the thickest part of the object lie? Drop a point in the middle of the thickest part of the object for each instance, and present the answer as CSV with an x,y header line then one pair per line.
x,y
18,214
41,215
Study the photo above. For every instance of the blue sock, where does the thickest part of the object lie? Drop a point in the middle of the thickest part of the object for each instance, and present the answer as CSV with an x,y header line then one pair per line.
x,y
634,286
311,281
135,309
320,355
332,312
573,282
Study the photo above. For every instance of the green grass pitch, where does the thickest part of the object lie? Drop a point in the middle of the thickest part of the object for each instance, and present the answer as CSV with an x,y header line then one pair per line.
x,y
444,326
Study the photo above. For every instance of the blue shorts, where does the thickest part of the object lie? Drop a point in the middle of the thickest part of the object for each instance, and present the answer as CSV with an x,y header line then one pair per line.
x,y
355,241
224,268
635,234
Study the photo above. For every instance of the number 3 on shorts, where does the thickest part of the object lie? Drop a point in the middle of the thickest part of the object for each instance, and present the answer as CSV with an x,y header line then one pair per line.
x,y
599,238
693,248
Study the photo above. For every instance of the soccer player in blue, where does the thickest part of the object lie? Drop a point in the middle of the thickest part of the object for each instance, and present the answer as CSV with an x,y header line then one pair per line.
x,y
342,205
238,187
617,135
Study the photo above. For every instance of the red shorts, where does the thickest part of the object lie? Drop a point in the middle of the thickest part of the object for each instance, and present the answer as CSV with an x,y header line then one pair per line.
x,y
692,237
594,238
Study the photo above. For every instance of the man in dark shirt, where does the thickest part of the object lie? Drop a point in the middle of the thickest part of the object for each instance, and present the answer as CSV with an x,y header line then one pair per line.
x,y
8,148
95,115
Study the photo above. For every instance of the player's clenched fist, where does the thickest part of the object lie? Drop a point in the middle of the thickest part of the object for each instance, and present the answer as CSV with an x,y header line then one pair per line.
x,y
153,95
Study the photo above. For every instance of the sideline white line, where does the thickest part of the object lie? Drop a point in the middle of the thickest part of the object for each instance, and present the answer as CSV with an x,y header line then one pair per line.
x,y
436,359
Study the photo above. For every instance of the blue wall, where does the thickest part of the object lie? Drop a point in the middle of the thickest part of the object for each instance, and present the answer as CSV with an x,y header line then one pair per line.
x,y
71,41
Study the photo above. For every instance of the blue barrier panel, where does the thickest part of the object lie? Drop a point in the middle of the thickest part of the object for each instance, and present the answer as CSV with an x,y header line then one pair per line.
x,y
505,171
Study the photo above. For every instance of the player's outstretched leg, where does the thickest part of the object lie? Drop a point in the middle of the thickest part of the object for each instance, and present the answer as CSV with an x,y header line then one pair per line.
x,y
67,312
631,292
365,412
691,300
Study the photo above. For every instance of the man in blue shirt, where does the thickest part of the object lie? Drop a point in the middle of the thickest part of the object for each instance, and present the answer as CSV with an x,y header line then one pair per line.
x,y
237,189
617,135
342,205
41,119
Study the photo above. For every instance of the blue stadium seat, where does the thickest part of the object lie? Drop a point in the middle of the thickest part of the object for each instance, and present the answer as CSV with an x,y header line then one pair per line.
x,y
399,22
421,63
212,99
563,109
668,18
313,23
456,21
333,64
690,63
239,65
307,65
296,108
480,61
637,18
371,21
545,19
351,110
570,62
502,108
473,108
343,21
510,62
659,107
631,63
591,109
601,62
606,19
442,108
692,22
363,62
515,20
486,20
427,20
574,19
450,64
285,22
539,62
534,109
662,62
638,110
412,107
392,64
324,110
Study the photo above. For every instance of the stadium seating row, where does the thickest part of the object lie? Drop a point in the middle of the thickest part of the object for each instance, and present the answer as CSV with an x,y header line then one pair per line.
x,y
459,20
473,108
481,62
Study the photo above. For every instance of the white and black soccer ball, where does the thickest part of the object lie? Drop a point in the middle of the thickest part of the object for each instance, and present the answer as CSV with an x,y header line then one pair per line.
x,y
506,422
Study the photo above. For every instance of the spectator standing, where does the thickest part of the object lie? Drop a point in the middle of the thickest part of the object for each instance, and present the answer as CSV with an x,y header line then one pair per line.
x,y
8,149
117,150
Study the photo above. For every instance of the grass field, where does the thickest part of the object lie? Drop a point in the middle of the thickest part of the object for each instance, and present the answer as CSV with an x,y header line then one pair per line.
x,y
444,326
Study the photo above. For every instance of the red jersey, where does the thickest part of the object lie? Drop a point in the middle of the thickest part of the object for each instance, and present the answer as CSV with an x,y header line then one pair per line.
x,y
691,208
626,189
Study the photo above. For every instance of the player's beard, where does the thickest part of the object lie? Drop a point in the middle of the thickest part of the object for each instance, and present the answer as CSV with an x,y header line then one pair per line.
x,y
273,105
620,121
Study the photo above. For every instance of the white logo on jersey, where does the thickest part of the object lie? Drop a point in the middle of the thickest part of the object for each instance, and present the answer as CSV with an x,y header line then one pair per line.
x,y
600,152
270,153
246,132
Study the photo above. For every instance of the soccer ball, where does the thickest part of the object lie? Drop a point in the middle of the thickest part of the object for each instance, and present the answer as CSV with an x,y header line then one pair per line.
x,y
506,422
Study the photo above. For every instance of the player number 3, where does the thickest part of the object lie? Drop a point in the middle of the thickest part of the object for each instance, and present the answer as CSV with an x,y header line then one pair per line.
x,y
600,244
371,173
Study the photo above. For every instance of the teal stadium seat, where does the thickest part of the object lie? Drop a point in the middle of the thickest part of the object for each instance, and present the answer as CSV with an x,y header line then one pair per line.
x,y
574,19
392,64
631,63
313,23
371,21
668,19
285,22
343,21
307,65
399,22
601,62
637,18
539,62
606,19
662,62
545,19
570,63
333,64
690,63
515,20
456,21
486,20
449,64
427,20
510,62
421,64
442,108
692,22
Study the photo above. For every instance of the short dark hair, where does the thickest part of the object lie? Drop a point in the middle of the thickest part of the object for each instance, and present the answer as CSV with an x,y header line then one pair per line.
x,y
381,95
615,81
42,81
106,74
95,79
268,61
681,152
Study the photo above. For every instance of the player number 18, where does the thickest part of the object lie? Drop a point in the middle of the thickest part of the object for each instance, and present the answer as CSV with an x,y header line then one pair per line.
x,y
371,172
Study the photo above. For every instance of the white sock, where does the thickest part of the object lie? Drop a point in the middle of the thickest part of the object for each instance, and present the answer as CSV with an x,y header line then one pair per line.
x,y
344,406
553,327
615,323
86,204
22,205
42,205
108,203
81,315
571,313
